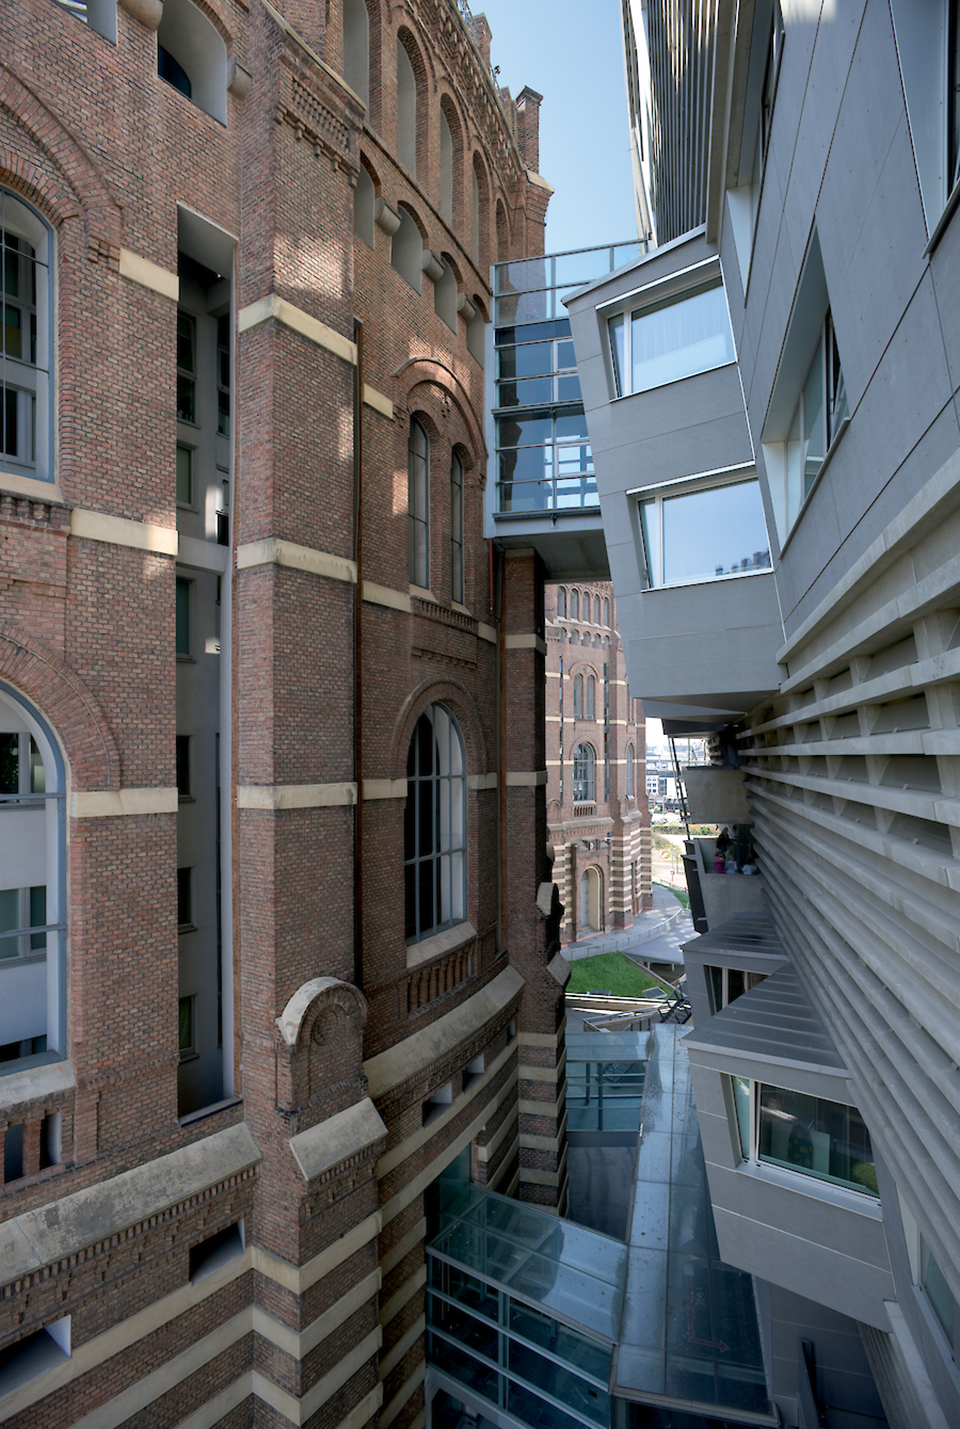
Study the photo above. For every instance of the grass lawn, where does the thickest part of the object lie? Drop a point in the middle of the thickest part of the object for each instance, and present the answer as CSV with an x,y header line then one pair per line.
x,y
610,971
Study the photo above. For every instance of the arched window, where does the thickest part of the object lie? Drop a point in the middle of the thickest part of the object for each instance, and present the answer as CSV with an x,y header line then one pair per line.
x,y
591,697
406,109
406,250
578,697
356,48
480,210
434,828
418,505
629,771
192,57
606,613
584,770
561,603
503,233
26,437
596,610
364,204
32,887
456,529
574,605
446,168
476,334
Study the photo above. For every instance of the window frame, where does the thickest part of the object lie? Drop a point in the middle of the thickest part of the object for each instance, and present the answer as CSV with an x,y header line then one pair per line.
x,y
746,1129
835,406
447,856
30,377
665,491
54,955
657,296
456,529
584,780
418,507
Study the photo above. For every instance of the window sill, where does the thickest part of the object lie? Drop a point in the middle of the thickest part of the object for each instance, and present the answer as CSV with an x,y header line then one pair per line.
x,y
210,1110
40,488
625,396
797,1182
437,944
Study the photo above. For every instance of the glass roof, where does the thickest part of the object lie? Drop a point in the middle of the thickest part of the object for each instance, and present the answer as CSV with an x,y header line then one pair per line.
x,y
689,1330
575,1273
607,1046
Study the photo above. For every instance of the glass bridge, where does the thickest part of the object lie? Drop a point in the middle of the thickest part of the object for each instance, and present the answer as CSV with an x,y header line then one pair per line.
x,y
535,1321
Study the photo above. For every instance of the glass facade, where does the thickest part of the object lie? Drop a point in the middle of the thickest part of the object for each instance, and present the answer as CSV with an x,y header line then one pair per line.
x,y
824,1139
674,338
523,1310
543,457
605,1077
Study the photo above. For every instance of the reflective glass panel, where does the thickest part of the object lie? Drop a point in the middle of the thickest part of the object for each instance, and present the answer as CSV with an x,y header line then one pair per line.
x,y
819,1138
716,531
680,337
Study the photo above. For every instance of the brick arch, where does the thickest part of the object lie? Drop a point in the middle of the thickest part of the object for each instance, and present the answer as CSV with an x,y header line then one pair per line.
x,y
64,700
429,372
460,704
85,182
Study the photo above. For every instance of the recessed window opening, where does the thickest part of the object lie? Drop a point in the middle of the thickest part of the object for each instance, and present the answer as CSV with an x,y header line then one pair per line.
x,y
406,110
574,605
364,203
437,1103
445,295
184,898
456,529
473,1071
25,341
356,48
821,409
13,1153
435,826
418,505
591,700
98,15
406,250
675,337
561,603
51,1140
578,696
33,1355
928,48
216,1251
446,168
797,1132
940,1297
182,619
629,771
476,334
704,533
192,57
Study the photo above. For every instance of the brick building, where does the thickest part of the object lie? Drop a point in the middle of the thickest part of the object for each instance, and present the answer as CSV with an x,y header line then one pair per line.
x,y
597,814
272,823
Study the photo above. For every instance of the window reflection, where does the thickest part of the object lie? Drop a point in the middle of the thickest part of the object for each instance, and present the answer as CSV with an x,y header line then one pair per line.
x,y
704,534
674,338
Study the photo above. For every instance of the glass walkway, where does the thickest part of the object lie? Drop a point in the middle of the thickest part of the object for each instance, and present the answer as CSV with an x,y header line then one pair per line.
x,y
605,1076
536,1321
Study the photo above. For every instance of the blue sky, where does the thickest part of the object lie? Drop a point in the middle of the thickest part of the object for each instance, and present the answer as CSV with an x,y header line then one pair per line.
x,y
571,53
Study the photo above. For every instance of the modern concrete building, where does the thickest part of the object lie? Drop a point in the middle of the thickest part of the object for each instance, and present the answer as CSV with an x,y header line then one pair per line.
x,y
272,813
597,816
771,402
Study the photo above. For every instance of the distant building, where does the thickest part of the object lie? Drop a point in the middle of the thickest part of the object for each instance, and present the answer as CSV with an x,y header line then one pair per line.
x,y
597,815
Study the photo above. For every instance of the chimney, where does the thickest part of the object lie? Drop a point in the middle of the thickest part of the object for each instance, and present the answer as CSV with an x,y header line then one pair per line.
x,y
482,35
528,114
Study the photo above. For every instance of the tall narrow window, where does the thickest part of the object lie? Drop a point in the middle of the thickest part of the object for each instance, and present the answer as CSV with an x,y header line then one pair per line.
x,y
406,110
574,605
584,774
418,505
446,168
223,375
356,48
561,603
32,889
606,612
578,697
820,411
456,529
25,341
186,368
435,826
629,771
596,610
591,710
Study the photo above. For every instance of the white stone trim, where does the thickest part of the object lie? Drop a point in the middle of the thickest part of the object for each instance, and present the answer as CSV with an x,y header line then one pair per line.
x,y
30,486
392,1307
526,642
391,1360
411,1144
535,779
344,1134
300,1278
299,1344
118,531
111,803
274,552
271,306
487,632
375,594
202,555
476,782
377,400
149,275
405,1246
384,788
295,796
484,1153
389,1414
